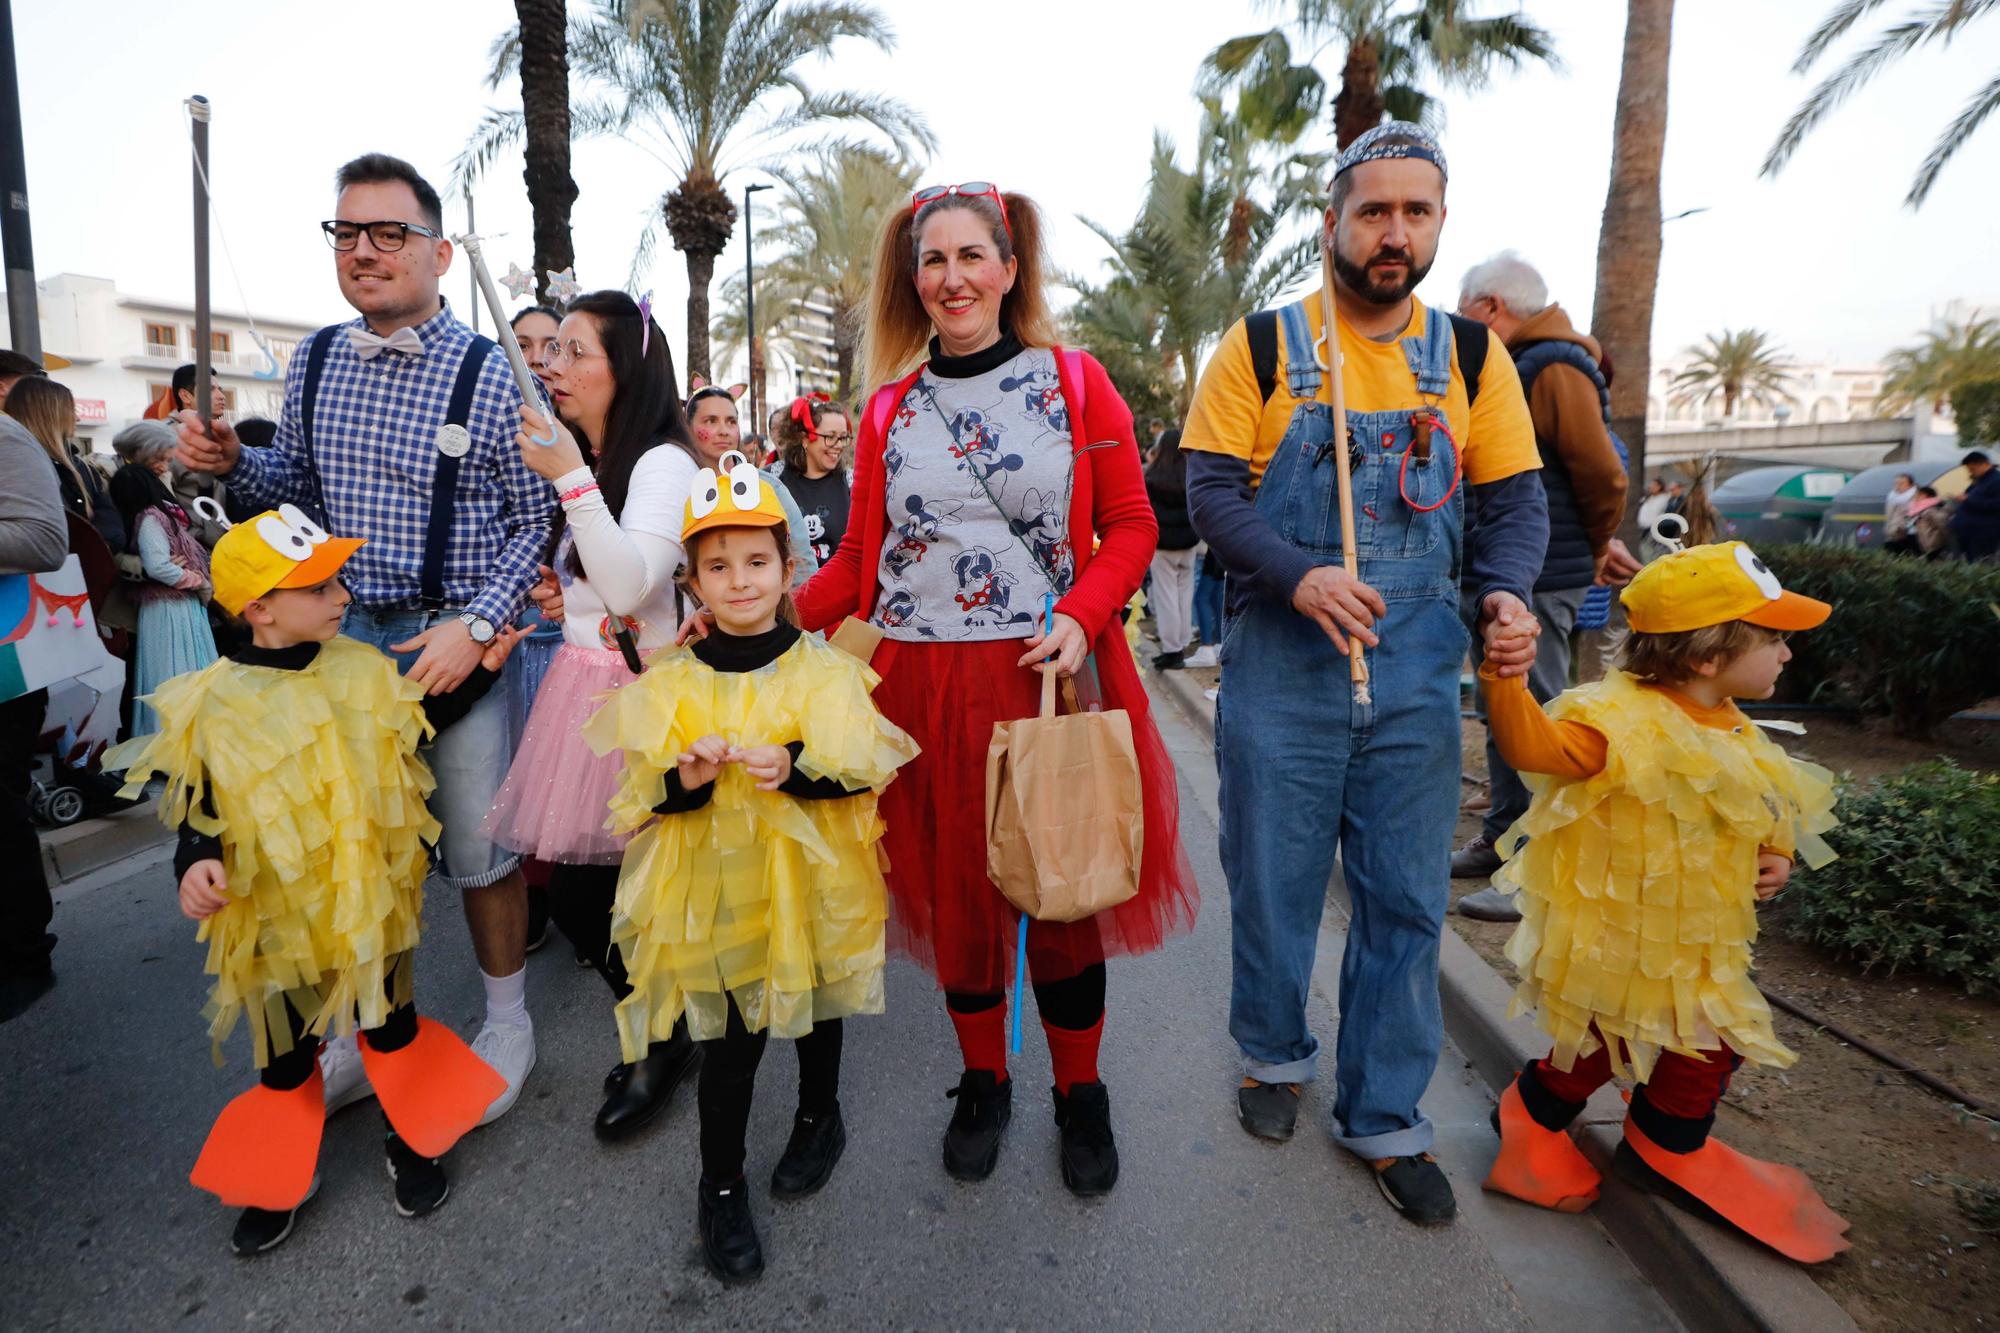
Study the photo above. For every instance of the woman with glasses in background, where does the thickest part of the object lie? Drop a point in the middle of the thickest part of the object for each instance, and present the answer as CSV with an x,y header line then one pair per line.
x,y
813,438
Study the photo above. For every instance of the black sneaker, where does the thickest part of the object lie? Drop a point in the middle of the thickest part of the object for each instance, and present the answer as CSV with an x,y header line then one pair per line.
x,y
1089,1154
1170,661
1268,1110
1416,1187
728,1236
814,1150
420,1181
972,1139
261,1229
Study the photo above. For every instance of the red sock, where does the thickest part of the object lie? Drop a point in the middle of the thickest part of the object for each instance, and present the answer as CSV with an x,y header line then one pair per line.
x,y
1073,1054
982,1039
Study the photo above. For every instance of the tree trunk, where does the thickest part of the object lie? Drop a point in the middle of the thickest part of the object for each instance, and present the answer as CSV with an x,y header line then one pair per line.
x,y
701,272
1357,108
1628,240
545,116
760,387
700,218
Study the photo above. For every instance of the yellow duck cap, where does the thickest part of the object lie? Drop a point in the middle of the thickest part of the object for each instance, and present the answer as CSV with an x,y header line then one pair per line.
x,y
279,548
1713,585
730,495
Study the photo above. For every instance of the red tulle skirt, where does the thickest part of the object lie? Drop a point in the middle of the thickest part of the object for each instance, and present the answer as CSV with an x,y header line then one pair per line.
x,y
945,913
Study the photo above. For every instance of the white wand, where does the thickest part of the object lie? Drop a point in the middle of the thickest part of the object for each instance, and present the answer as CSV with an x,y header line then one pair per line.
x,y
531,388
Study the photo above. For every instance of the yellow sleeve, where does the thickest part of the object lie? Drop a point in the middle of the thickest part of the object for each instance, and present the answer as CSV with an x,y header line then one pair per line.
x,y
1502,439
1228,409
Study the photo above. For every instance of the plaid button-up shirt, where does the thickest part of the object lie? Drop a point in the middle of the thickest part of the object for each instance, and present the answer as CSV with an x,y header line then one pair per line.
x,y
374,448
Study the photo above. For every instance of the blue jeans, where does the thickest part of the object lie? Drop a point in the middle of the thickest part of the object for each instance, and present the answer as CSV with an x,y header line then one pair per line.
x,y
469,759
1207,603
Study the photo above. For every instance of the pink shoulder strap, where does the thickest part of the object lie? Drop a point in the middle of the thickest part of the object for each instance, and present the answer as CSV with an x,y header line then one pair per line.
x,y
1072,364
879,408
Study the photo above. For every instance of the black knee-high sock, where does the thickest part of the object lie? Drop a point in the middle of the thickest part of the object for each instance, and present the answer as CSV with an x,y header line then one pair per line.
x,y
1075,1003
580,899
819,1067
728,1080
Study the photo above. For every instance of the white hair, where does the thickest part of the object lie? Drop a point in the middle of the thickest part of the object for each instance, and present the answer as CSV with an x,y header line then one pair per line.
x,y
1510,278
143,442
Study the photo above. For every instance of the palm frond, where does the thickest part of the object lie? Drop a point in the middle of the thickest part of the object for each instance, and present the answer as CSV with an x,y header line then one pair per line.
x,y
498,130
1982,105
1843,83
1831,29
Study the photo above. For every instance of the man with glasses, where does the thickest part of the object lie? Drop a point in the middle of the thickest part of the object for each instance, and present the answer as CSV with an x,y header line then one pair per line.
x,y
398,427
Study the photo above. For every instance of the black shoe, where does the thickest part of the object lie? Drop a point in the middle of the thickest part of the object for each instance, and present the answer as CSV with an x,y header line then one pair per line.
x,y
972,1139
261,1229
1633,1169
1268,1110
20,990
728,1237
1170,661
1089,1154
1417,1188
814,1150
648,1086
616,1078
1476,860
420,1181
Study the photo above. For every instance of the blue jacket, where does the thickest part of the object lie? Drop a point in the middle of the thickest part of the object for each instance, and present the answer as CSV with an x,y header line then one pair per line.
x,y
1976,525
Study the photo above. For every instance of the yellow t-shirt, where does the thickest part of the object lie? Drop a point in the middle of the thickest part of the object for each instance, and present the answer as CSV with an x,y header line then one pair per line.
x,y
1228,417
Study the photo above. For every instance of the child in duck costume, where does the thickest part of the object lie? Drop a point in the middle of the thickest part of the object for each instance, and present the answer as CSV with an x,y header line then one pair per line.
x,y
1661,817
292,775
755,904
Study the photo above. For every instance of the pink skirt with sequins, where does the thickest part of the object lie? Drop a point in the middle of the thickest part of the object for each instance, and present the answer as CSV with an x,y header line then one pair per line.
x,y
554,802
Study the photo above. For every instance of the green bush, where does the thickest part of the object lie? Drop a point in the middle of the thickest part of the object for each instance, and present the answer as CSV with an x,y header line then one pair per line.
x,y
1912,640
1915,888
1977,407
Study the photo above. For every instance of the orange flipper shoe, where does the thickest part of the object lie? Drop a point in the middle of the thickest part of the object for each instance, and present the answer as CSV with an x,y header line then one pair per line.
x,y
1539,1165
1768,1202
434,1089
264,1146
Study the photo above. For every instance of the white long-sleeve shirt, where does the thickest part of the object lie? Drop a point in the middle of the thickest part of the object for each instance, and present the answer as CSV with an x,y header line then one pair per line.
x,y
630,560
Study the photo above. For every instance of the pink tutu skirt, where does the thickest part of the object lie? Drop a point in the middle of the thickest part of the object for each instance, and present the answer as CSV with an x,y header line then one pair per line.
x,y
554,802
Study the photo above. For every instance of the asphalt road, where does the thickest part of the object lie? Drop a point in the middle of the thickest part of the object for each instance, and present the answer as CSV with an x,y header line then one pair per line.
x,y
110,1091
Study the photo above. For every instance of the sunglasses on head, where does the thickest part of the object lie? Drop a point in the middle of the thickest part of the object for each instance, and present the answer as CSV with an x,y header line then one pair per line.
x,y
930,194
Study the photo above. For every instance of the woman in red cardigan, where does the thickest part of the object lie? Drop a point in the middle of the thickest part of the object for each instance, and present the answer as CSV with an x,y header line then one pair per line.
x,y
1001,469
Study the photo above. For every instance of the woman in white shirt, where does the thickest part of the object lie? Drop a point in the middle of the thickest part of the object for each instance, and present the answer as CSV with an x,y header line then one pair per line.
x,y
616,547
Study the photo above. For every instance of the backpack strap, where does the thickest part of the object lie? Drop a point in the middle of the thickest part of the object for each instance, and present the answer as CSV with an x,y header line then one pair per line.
x,y
1261,328
1471,337
444,483
316,351
1072,366
881,407
1538,356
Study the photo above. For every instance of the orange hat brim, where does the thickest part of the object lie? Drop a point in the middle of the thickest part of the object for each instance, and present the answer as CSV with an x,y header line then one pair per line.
x,y
732,518
1792,611
322,564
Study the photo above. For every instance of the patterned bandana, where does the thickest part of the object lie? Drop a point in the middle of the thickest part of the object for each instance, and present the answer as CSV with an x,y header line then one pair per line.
x,y
1370,148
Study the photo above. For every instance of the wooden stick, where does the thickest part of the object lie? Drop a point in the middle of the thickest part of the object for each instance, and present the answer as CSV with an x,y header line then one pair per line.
x,y
1343,466
203,352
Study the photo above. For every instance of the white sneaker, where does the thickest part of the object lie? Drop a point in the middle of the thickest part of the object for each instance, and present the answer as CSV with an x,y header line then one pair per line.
x,y
1204,656
511,1052
341,1070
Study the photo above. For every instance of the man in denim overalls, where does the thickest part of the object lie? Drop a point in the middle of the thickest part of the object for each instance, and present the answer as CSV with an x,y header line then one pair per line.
x,y
1309,771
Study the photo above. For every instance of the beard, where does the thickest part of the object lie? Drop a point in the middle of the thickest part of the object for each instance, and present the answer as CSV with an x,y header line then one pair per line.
x,y
1357,278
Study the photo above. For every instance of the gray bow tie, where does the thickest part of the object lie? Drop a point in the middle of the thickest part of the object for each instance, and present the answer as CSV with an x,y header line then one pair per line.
x,y
368,345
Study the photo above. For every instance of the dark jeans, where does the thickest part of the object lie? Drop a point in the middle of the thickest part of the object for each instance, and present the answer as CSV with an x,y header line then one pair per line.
x,y
729,1079
25,906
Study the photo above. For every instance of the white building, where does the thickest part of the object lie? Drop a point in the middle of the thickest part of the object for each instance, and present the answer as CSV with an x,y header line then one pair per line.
x,y
123,350
1814,394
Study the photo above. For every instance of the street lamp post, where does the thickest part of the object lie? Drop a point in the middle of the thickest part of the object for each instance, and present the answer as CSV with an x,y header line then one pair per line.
x,y
24,320
750,304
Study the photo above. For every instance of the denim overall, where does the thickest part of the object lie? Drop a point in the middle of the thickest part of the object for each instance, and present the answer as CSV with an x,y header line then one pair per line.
x,y
1307,772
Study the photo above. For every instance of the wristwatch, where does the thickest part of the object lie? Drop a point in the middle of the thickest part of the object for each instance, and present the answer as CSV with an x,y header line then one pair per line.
x,y
480,628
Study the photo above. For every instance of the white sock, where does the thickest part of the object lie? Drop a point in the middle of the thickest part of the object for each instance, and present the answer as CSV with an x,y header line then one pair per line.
x,y
507,1000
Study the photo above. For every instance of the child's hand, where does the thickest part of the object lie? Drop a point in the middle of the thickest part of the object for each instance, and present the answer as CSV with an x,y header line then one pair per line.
x,y
1772,872
204,890
503,643
703,762
770,765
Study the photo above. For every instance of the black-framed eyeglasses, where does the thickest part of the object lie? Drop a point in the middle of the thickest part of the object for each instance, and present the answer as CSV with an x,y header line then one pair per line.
x,y
388,237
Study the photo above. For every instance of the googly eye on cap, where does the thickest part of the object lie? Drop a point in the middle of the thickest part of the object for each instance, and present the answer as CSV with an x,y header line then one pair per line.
x,y
296,519
283,538
707,493
1760,574
744,486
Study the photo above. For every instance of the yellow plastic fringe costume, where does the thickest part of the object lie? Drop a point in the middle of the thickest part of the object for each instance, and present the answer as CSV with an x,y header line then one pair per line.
x,y
1638,905
319,795
776,901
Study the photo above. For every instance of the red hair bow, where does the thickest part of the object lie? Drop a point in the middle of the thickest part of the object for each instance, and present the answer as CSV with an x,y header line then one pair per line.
x,y
802,412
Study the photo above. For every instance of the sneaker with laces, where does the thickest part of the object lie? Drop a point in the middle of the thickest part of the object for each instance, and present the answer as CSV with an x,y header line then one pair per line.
x,y
420,1181
728,1235
1206,657
342,1074
262,1229
511,1052
1089,1152
972,1139
1476,859
814,1150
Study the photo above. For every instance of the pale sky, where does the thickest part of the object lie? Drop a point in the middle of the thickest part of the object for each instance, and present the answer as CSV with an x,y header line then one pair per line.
x,y
1056,98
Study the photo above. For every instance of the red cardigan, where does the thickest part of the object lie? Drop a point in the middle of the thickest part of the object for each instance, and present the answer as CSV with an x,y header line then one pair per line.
x,y
1111,524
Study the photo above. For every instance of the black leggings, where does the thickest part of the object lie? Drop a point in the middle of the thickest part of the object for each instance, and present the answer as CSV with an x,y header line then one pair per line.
x,y
1074,1004
294,1067
580,899
729,1077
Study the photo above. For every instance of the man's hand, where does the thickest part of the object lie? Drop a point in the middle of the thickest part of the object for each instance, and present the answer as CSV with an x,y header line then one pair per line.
x,y
204,890
703,761
1616,565
770,765
1772,872
1339,601
548,595
447,657
1507,633
1065,642
206,446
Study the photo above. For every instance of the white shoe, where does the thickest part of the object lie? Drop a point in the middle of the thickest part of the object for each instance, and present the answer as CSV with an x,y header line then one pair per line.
x,y
511,1052
343,1074
1204,656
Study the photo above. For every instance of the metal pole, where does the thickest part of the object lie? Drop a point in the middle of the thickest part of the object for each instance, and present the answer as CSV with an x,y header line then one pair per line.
x,y
24,320
203,340
750,306
472,229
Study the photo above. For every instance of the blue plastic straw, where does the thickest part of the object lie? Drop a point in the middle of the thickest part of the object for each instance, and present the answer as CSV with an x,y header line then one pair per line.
x,y
1021,939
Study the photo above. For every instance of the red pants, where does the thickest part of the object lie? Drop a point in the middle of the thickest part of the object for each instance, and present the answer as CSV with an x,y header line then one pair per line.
x,y
1681,1085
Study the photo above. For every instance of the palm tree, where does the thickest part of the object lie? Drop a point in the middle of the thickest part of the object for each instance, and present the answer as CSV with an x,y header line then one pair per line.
x,y
1937,23
1736,365
544,65
1952,354
1628,238
706,86
1388,52
1121,327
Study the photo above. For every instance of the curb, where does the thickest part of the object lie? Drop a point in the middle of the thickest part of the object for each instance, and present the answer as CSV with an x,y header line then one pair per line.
x,y
1708,1276
70,853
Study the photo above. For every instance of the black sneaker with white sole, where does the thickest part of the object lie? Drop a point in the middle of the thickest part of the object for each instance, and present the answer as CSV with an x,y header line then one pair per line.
x,y
1417,1188
420,1181
261,1229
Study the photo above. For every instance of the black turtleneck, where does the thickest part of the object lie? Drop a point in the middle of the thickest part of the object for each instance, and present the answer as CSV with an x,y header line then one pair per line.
x,y
734,654
973,363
